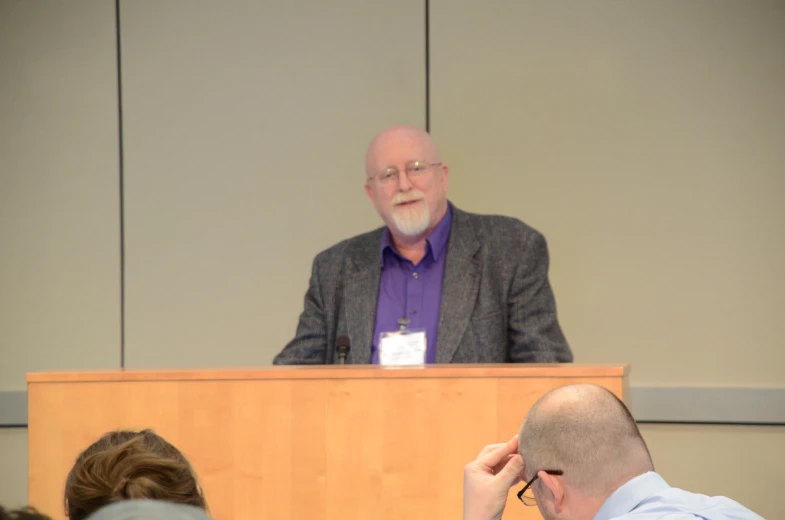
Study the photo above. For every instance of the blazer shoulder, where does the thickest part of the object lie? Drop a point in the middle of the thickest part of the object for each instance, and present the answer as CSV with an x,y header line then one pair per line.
x,y
503,227
362,245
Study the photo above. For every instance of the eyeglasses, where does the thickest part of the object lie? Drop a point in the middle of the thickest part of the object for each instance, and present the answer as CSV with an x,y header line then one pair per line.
x,y
526,496
412,169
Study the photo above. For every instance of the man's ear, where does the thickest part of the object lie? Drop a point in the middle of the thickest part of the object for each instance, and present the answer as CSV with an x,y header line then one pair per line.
x,y
445,176
556,487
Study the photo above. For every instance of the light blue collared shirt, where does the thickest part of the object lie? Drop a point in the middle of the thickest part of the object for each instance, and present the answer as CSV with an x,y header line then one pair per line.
x,y
649,497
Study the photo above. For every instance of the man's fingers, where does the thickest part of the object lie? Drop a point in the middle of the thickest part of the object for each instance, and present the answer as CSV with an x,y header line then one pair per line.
x,y
492,457
511,472
503,463
486,450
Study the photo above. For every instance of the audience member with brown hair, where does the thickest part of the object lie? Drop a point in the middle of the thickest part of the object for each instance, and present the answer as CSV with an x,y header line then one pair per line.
x,y
126,465
26,513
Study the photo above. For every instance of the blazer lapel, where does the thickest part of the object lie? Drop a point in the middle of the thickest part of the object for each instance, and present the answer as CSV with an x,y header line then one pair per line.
x,y
360,294
460,286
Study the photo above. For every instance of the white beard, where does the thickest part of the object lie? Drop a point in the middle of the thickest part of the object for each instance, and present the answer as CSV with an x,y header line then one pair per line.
x,y
412,220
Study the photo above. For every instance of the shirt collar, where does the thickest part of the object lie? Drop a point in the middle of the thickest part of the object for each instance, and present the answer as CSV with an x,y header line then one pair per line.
x,y
628,496
435,242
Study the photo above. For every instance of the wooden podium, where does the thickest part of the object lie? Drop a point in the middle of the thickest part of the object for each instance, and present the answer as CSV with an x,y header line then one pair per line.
x,y
303,442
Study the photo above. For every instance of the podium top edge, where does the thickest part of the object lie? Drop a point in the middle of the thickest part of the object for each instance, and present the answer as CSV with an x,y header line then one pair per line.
x,y
445,371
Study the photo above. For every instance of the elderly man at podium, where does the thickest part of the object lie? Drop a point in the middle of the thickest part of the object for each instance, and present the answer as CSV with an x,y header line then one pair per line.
x,y
434,285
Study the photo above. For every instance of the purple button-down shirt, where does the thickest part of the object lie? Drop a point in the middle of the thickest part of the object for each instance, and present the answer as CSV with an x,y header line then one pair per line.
x,y
413,292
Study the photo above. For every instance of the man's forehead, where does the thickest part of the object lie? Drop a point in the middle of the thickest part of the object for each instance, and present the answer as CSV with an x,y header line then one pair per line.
x,y
402,133
398,146
400,149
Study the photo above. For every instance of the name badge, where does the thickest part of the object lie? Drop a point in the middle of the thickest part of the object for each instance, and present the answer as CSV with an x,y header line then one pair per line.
x,y
402,348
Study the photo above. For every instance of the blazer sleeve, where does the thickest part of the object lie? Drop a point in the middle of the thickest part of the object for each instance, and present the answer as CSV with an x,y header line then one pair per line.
x,y
535,335
309,346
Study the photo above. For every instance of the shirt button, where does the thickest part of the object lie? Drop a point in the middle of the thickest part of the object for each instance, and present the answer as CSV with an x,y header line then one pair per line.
x,y
415,275
414,311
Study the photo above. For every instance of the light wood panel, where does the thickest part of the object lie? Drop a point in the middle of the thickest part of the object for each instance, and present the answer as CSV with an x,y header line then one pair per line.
x,y
462,371
354,442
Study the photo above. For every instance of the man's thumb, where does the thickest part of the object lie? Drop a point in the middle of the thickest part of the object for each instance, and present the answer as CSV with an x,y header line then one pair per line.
x,y
512,470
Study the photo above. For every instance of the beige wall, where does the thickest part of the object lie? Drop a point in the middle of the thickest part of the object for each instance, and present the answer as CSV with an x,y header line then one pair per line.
x,y
742,462
13,461
59,186
59,202
245,128
643,138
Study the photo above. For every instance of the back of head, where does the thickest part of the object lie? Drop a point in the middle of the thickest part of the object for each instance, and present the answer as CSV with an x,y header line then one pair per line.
x,y
125,465
589,434
148,510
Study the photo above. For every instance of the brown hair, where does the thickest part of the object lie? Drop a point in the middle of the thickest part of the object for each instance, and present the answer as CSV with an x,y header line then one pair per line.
x,y
26,513
124,465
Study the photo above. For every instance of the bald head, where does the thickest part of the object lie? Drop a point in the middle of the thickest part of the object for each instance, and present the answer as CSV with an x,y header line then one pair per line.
x,y
587,432
399,140
581,398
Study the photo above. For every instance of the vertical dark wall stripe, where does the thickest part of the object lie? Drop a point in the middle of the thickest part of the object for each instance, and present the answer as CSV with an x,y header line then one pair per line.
x,y
427,66
121,154
121,179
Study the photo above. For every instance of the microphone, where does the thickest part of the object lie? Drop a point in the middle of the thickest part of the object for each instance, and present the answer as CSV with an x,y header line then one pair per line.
x,y
342,347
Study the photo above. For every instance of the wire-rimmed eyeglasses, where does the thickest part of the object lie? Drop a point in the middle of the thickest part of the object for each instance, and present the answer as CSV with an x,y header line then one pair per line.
x,y
525,495
412,169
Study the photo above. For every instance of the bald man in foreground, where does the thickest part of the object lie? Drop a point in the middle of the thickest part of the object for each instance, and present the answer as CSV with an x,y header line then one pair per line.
x,y
582,457
435,284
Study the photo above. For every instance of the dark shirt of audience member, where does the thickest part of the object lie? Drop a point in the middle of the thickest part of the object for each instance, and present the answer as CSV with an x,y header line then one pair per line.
x,y
127,465
148,510
25,513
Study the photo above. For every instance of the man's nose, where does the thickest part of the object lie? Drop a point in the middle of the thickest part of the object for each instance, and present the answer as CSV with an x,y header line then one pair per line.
x,y
404,183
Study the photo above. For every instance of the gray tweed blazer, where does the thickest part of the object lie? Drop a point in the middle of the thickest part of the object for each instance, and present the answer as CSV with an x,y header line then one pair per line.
x,y
497,302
